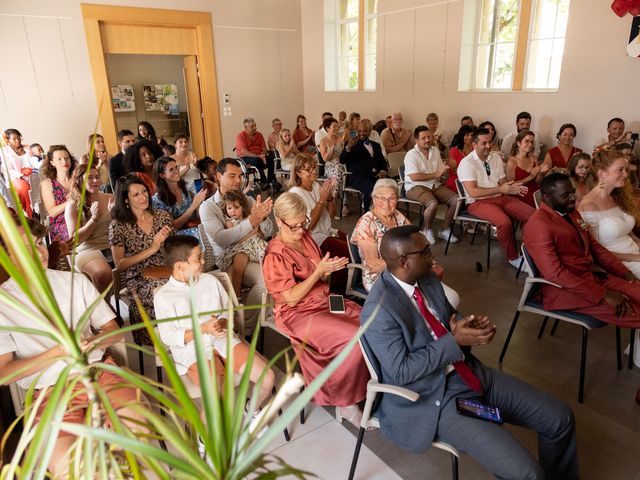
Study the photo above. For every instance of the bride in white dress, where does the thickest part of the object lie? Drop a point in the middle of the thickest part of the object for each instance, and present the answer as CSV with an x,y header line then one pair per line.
x,y
612,212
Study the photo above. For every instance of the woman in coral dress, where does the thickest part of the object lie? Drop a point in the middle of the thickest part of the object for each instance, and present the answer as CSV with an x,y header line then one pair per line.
x,y
296,274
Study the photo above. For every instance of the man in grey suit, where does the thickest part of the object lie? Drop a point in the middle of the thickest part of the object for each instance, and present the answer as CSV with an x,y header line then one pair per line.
x,y
437,363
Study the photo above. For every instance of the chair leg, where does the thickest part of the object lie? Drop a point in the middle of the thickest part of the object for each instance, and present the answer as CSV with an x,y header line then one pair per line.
x,y
632,344
302,418
508,339
489,249
159,374
356,452
555,326
141,362
520,268
454,467
446,248
618,349
475,230
542,327
583,364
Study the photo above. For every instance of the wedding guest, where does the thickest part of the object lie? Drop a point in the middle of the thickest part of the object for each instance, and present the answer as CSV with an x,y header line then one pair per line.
x,y
173,197
461,146
37,155
276,123
18,161
559,156
396,138
147,132
57,170
331,147
580,171
101,159
93,252
296,274
321,208
438,136
286,148
523,168
466,120
126,138
495,141
523,122
136,234
303,136
186,160
139,159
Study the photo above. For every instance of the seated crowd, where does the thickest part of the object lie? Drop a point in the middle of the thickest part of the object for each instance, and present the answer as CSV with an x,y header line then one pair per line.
x,y
152,208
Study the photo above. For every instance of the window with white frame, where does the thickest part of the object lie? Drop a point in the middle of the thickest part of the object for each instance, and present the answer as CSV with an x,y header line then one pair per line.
x,y
350,44
513,44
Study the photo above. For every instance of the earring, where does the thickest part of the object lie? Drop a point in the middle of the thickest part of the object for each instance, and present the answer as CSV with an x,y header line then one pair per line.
x,y
602,185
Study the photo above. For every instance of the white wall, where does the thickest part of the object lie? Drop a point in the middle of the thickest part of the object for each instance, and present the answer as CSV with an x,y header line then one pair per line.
x,y
46,85
418,62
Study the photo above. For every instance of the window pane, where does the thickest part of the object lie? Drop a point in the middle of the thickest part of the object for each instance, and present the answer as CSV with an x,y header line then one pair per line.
x,y
556,64
503,66
349,9
482,66
370,72
507,24
371,6
348,54
370,41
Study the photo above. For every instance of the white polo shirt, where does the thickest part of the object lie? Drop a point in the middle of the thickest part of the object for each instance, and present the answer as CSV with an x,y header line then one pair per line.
x,y
322,230
26,345
473,168
417,162
173,299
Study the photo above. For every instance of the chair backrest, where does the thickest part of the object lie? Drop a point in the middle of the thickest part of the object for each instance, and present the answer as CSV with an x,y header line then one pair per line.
x,y
461,193
354,255
238,314
403,192
375,371
209,261
396,161
537,198
535,272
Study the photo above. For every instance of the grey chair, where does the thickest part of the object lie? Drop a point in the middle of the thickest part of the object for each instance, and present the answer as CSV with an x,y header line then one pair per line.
x,y
529,303
355,287
374,387
407,202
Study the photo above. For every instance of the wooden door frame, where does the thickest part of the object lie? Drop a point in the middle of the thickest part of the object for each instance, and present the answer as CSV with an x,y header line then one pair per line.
x,y
95,16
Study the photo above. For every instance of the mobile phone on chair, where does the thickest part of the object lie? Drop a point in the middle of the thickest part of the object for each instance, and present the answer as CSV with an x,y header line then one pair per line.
x,y
336,304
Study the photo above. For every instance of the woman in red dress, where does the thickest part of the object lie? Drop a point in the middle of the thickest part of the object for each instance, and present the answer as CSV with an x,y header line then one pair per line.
x,y
296,275
460,148
558,157
523,167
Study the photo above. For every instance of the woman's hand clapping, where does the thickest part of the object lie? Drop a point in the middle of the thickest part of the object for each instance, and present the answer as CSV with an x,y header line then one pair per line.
x,y
329,265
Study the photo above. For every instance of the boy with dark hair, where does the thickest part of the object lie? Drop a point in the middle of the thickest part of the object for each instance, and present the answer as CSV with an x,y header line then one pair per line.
x,y
185,259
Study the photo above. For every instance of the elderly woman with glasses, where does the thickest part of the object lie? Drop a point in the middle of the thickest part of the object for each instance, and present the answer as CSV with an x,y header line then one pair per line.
x,y
296,273
321,207
372,226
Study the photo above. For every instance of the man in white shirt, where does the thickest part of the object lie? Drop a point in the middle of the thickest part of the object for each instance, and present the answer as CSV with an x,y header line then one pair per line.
x,y
523,122
485,182
230,177
616,134
423,170
38,358
321,132
184,257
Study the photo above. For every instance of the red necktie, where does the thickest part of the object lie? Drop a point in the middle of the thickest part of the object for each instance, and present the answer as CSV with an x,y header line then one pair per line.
x,y
439,330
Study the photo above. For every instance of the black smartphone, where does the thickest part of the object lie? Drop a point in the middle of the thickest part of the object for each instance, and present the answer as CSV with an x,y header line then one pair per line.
x,y
197,184
475,409
336,304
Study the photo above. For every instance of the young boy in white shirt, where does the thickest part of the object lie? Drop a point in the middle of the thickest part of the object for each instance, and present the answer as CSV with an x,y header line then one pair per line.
x,y
185,258
41,356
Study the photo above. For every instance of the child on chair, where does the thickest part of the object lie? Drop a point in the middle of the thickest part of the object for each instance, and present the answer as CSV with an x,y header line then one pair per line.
x,y
249,248
173,299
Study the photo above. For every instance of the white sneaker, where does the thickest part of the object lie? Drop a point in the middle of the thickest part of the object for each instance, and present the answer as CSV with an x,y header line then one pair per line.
x,y
427,232
515,263
444,234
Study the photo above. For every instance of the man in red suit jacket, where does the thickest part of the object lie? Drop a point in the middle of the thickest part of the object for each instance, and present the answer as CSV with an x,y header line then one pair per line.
x,y
592,280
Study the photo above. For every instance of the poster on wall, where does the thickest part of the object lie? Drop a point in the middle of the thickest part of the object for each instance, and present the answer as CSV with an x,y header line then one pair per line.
x,y
633,48
161,98
122,98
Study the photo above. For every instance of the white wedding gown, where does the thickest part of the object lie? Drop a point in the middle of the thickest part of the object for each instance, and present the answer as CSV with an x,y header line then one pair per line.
x,y
612,228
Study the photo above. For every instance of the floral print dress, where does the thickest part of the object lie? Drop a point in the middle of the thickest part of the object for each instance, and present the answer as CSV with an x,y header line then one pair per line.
x,y
57,225
176,211
135,240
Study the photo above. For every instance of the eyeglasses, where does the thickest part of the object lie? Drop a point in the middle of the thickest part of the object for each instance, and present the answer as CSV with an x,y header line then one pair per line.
x,y
310,169
386,199
487,168
425,252
300,226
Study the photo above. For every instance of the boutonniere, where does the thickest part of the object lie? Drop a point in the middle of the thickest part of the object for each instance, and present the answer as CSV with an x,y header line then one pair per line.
x,y
584,226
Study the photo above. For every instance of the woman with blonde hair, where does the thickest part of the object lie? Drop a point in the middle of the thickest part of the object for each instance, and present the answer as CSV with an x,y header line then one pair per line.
x,y
93,252
296,274
612,212
321,207
101,158
286,148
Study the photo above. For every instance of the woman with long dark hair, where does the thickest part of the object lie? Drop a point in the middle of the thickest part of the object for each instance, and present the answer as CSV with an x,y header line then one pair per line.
x,y
139,159
136,234
57,168
173,197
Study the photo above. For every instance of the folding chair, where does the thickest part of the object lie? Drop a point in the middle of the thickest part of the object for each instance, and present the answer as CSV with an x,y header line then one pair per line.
x,y
528,303
396,163
374,387
209,260
407,201
345,191
462,215
355,287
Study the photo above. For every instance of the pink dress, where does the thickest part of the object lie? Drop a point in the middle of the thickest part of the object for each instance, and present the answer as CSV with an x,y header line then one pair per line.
x,y
317,336
558,160
456,155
